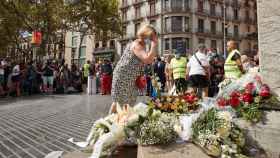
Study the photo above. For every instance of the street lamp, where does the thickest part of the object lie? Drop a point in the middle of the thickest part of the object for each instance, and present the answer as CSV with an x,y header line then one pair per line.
x,y
224,30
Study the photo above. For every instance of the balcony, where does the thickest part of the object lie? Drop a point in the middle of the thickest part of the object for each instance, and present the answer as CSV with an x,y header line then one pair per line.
x,y
235,4
216,15
124,6
138,2
169,10
202,12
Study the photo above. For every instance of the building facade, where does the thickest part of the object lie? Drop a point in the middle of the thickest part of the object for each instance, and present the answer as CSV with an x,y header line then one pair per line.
x,y
182,24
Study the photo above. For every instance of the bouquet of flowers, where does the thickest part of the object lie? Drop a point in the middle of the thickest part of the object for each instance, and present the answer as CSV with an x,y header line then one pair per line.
x,y
178,104
247,98
215,133
158,128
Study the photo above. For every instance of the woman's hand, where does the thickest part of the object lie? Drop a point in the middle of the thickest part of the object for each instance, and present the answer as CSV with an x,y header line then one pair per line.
x,y
154,39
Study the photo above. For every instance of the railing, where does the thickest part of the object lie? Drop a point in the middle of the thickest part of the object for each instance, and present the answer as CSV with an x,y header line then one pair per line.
x,y
176,9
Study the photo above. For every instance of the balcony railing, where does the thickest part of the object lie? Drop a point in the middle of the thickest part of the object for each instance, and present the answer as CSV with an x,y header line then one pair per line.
x,y
200,11
176,10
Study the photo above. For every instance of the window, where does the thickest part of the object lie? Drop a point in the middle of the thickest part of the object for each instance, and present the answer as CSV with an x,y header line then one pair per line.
x,y
137,12
236,30
201,41
112,44
74,41
235,14
153,22
124,15
177,24
124,3
225,28
179,44
137,27
222,10
200,25
96,45
166,4
214,44
152,8
167,24
187,4
73,53
187,43
166,44
177,5
124,30
213,27
249,29
200,5
82,52
247,15
213,9
187,24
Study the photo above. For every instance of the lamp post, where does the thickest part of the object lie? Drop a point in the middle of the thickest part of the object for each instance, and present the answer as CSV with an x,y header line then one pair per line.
x,y
224,19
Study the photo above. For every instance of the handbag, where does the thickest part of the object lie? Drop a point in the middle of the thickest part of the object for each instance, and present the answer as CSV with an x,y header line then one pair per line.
x,y
141,82
205,70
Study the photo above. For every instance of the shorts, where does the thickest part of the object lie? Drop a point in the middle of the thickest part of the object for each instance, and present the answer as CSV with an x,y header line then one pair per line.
x,y
48,80
199,81
16,78
1,80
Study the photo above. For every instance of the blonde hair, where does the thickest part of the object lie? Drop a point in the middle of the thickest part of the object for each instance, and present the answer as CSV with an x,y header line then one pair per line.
x,y
146,31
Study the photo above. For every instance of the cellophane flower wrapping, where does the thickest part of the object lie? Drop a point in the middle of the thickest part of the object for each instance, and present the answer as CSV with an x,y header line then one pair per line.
x,y
215,132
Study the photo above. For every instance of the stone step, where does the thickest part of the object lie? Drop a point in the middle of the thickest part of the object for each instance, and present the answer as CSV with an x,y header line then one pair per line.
x,y
183,150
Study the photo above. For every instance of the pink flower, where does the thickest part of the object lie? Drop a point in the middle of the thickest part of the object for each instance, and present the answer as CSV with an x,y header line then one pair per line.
x,y
250,87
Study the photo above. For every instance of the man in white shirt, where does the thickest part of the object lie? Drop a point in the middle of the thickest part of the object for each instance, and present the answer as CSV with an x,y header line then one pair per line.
x,y
198,70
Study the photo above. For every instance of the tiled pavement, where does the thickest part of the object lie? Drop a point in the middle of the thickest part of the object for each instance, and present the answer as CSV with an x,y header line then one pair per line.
x,y
33,127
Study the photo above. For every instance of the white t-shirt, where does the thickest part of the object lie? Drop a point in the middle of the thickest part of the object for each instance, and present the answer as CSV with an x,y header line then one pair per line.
x,y
195,67
2,63
16,70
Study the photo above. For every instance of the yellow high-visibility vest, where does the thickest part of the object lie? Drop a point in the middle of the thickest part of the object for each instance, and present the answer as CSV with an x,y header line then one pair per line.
x,y
179,67
232,70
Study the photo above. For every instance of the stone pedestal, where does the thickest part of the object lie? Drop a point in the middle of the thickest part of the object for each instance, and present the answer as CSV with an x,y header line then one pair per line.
x,y
265,135
186,150
269,41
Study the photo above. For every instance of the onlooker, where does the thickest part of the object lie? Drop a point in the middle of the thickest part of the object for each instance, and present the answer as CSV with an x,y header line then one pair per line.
x,y
216,72
91,80
178,67
16,79
233,65
106,77
31,78
2,75
168,73
198,70
76,78
148,72
159,69
85,70
48,77
98,76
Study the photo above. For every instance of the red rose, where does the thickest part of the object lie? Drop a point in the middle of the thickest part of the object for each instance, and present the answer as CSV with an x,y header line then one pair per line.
x,y
222,102
234,102
265,91
247,97
235,94
190,98
250,87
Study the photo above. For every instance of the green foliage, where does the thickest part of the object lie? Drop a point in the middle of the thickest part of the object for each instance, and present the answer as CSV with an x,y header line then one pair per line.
x,y
54,18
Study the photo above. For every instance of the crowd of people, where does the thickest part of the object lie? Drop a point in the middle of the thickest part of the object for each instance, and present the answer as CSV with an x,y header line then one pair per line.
x,y
51,77
203,70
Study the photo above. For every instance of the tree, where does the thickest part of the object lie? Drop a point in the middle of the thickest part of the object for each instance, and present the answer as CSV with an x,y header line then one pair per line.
x,y
54,18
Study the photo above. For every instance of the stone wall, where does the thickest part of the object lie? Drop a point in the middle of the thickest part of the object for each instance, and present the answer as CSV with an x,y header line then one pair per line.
x,y
269,41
